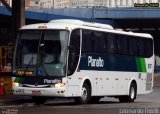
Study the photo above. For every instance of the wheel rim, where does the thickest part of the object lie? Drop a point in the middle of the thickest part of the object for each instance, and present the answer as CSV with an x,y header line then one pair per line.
x,y
132,94
84,93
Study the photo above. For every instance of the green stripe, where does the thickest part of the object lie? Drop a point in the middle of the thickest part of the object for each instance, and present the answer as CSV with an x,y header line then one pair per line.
x,y
19,80
141,65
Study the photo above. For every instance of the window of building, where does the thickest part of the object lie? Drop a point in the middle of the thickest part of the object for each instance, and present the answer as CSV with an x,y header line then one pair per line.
x,y
36,2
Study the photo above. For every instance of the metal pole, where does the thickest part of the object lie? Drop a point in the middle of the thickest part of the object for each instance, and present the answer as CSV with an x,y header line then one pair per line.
x,y
18,16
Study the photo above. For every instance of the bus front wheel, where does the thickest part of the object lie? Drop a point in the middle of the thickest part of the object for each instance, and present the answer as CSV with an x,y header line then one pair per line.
x,y
85,95
132,94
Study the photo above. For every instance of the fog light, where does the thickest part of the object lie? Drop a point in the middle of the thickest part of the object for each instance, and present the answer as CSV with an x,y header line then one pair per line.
x,y
59,85
15,84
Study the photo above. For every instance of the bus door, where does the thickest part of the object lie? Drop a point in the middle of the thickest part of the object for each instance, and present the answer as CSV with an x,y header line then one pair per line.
x,y
73,71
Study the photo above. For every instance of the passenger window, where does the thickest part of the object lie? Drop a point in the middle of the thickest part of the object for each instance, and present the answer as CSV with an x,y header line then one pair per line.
x,y
99,42
141,44
110,41
87,41
133,46
122,45
149,47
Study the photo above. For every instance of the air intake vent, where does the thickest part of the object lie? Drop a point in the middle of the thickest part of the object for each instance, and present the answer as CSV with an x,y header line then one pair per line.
x,y
149,82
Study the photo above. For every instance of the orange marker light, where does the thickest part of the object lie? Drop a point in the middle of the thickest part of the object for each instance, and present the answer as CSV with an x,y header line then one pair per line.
x,y
42,27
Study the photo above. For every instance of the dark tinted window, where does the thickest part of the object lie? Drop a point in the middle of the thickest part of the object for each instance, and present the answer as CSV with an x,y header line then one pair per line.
x,y
122,44
149,47
133,46
108,43
75,40
74,51
111,45
141,45
99,42
87,41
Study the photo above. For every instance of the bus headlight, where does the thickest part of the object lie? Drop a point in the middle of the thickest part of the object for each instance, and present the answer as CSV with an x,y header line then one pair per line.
x,y
59,85
15,84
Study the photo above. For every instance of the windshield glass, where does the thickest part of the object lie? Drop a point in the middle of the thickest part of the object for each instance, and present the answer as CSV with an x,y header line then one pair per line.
x,y
41,53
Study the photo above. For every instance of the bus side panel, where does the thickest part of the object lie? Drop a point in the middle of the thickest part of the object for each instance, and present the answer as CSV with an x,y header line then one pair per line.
x,y
75,82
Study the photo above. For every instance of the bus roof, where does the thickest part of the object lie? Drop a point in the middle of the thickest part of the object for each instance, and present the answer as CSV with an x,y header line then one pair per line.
x,y
71,24
82,23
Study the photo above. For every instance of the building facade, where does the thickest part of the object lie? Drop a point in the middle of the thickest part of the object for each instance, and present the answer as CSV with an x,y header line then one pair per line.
x,y
99,3
78,3
34,4
46,3
81,3
61,4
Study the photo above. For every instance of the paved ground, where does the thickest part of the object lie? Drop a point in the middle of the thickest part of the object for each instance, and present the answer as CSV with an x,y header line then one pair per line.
x,y
157,79
144,104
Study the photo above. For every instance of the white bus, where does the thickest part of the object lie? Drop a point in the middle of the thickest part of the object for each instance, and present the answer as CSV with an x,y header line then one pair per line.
x,y
82,60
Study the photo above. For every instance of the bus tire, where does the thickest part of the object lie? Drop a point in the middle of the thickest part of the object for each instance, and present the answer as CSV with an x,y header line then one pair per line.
x,y
86,95
132,94
39,100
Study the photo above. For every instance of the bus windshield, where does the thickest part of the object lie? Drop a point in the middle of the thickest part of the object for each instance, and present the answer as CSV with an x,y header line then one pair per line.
x,y
41,53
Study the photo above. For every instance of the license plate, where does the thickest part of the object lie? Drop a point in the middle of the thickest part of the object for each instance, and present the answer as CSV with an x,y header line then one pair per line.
x,y
36,92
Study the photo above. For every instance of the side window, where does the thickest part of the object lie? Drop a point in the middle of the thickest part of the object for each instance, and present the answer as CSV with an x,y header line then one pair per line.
x,y
99,42
141,45
87,41
122,45
149,47
74,51
110,41
75,40
133,46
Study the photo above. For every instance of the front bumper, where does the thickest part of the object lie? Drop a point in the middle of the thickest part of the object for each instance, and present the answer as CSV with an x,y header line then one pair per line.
x,y
51,92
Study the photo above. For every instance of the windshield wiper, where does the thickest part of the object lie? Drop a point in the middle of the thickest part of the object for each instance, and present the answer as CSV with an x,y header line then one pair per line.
x,y
28,65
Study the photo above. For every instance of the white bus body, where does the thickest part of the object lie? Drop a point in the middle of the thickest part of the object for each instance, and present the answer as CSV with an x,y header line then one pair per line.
x,y
122,69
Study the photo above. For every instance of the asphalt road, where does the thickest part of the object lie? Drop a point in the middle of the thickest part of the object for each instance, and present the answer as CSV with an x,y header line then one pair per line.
x,y
144,104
